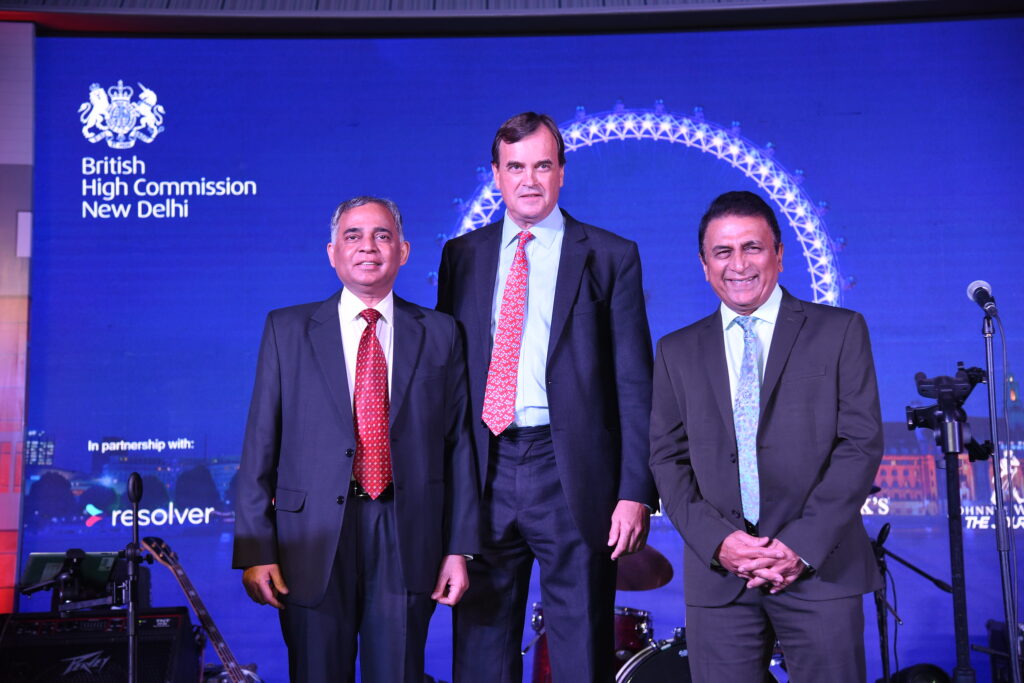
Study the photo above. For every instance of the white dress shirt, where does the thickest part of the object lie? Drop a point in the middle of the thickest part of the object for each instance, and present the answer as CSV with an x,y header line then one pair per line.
x,y
352,325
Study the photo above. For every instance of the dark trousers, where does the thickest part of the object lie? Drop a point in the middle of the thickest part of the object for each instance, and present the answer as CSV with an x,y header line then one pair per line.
x,y
525,516
822,640
366,609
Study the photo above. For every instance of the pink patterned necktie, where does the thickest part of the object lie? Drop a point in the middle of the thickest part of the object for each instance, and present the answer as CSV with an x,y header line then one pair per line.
x,y
372,465
500,394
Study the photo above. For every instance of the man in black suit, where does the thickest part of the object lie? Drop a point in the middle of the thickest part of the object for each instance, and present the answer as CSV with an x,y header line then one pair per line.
x,y
559,379
765,437
357,496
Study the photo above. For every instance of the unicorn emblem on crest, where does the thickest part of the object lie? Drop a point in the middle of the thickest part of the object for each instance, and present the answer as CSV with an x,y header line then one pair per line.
x,y
112,116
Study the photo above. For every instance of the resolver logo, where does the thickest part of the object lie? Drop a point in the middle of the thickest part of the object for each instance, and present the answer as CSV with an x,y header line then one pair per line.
x,y
168,516
95,514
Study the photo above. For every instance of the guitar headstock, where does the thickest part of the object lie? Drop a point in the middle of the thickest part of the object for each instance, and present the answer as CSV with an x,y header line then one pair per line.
x,y
161,551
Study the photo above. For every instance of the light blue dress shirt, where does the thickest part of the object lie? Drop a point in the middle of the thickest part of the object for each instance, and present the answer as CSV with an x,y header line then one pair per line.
x,y
765,316
542,253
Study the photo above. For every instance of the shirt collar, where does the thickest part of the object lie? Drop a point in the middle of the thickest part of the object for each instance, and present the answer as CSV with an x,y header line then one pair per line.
x,y
544,231
768,311
351,306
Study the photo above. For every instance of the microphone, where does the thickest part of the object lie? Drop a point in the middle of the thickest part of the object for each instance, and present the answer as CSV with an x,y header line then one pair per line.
x,y
980,292
134,488
883,534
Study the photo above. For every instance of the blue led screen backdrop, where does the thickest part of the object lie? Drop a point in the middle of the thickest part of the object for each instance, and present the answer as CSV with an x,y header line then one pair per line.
x,y
183,188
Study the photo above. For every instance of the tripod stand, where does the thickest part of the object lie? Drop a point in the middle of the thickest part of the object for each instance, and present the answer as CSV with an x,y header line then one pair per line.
x,y
947,419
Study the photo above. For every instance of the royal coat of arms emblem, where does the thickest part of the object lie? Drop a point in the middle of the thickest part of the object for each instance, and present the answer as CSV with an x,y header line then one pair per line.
x,y
111,115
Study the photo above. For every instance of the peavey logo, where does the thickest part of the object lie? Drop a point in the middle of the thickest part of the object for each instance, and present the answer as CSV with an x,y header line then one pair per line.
x,y
112,116
168,516
90,663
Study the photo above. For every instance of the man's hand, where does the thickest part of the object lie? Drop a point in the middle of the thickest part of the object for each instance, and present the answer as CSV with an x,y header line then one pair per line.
x,y
779,572
739,549
630,523
452,580
264,584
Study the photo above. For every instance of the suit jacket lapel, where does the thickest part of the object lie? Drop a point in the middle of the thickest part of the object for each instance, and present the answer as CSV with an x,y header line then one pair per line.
x,y
325,337
486,269
712,358
408,342
570,270
787,327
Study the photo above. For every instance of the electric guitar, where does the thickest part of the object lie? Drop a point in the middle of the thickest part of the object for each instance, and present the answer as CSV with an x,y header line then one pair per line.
x,y
233,672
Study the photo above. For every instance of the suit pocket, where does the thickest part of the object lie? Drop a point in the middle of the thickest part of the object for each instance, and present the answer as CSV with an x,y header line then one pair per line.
x,y
588,307
426,370
804,374
430,377
288,500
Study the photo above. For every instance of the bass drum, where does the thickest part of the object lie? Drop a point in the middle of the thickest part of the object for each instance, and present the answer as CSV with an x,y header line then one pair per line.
x,y
633,631
668,661
665,660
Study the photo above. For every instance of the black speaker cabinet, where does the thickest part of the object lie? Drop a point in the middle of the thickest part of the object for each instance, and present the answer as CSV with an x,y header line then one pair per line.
x,y
92,647
999,654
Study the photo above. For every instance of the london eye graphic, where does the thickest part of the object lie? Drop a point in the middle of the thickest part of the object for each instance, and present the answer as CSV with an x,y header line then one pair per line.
x,y
781,186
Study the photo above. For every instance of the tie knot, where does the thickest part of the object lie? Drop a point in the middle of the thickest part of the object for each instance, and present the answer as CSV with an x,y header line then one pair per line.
x,y
371,316
524,237
747,323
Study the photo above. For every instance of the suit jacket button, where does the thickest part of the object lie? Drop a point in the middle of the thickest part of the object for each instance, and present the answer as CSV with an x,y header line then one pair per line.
x,y
349,452
732,457
736,514
341,500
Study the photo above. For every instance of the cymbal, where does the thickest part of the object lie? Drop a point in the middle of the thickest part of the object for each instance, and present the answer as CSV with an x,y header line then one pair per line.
x,y
643,571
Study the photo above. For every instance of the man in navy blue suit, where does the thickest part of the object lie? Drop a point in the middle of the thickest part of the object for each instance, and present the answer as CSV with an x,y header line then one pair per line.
x,y
357,497
559,356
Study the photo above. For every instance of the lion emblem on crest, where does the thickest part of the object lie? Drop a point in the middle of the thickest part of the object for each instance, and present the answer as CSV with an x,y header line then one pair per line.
x,y
111,115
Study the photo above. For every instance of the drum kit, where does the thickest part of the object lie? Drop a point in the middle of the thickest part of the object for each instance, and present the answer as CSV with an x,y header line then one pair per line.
x,y
638,657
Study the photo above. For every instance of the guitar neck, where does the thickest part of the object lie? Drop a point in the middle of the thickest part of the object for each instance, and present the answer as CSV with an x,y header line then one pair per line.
x,y
227,658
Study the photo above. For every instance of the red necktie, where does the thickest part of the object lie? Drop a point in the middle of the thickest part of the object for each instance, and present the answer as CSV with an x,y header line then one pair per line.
x,y
372,465
500,394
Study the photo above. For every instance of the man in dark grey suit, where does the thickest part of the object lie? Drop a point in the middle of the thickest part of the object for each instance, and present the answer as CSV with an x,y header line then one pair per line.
x,y
559,359
765,437
357,496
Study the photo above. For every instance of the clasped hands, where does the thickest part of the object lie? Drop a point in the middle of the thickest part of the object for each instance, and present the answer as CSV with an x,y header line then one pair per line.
x,y
760,560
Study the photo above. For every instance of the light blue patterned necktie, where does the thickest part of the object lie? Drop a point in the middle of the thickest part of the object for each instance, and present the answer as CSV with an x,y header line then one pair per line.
x,y
744,416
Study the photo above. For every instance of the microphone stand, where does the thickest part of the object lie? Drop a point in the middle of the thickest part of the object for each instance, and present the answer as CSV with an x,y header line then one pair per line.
x,y
882,605
1002,527
132,556
938,583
